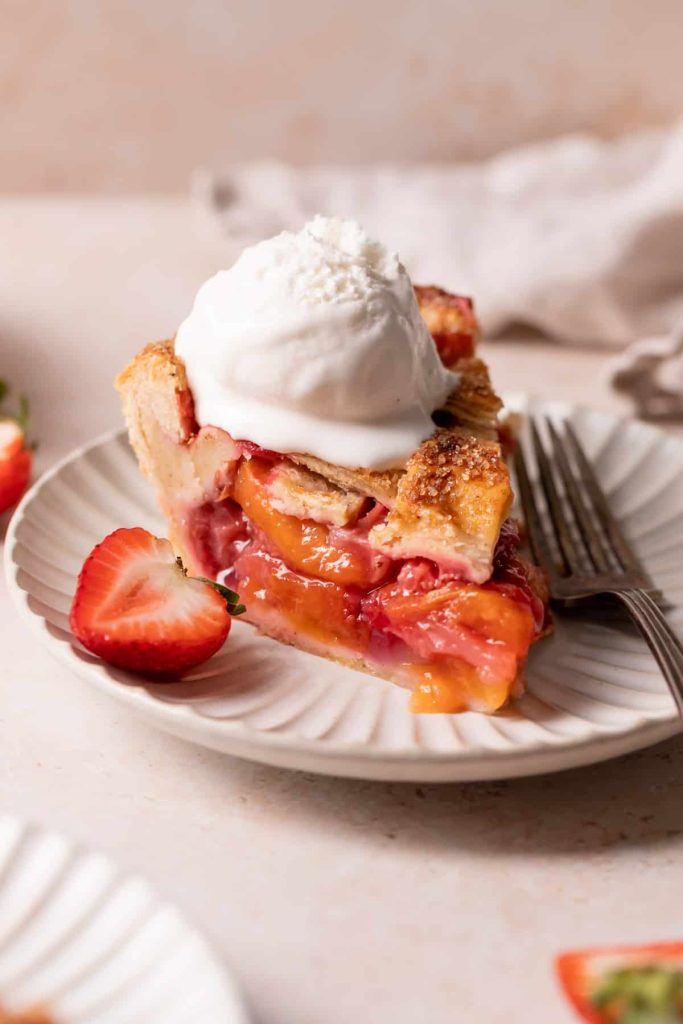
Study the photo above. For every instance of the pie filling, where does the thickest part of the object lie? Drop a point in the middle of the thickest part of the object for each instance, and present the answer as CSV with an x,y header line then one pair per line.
x,y
458,645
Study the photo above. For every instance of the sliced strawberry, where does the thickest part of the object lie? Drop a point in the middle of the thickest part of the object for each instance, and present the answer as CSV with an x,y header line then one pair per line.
x,y
136,608
15,464
620,984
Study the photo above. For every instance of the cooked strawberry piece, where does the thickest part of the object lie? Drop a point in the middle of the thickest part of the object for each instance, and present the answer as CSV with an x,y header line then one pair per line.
x,y
495,662
459,618
451,321
458,345
213,532
518,578
250,449
337,555
137,609
15,464
467,642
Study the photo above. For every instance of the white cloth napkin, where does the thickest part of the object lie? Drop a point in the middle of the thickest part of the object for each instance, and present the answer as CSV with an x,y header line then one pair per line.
x,y
580,239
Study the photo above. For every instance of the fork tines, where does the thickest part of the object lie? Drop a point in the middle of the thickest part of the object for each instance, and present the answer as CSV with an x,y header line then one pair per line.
x,y
585,540
577,540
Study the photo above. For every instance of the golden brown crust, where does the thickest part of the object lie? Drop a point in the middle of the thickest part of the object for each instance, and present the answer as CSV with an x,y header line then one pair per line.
x,y
381,486
178,459
296,491
156,397
473,402
450,505
158,365
451,321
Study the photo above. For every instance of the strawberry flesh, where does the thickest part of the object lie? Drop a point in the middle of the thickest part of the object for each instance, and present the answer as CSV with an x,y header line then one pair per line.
x,y
15,464
136,608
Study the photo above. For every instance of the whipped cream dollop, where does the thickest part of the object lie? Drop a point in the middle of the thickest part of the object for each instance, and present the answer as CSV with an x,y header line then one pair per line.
x,y
313,342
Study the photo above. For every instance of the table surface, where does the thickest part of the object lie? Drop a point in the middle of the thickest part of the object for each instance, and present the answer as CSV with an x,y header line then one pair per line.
x,y
333,900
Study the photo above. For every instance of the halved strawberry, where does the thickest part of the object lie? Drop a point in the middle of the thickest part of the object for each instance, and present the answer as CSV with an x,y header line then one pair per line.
x,y
15,464
625,984
137,609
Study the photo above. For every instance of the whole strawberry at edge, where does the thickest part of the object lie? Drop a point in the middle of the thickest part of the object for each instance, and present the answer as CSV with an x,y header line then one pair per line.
x,y
16,457
136,607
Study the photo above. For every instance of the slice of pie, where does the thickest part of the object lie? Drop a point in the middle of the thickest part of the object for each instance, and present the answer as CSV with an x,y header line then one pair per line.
x,y
410,574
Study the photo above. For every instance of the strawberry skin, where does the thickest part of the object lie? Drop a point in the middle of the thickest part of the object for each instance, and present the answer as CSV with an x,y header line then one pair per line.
x,y
137,609
15,464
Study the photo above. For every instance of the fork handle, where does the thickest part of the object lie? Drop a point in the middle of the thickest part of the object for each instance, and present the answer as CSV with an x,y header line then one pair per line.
x,y
659,637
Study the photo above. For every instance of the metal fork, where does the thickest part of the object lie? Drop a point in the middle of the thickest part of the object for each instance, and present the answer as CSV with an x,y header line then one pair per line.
x,y
581,547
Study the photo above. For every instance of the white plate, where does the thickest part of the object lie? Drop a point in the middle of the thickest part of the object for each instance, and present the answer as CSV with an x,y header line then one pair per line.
x,y
594,692
96,946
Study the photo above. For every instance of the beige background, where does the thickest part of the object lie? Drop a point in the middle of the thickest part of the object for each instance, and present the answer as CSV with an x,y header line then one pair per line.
x,y
133,94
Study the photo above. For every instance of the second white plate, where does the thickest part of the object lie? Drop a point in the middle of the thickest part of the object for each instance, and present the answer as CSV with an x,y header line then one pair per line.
x,y
96,946
594,692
